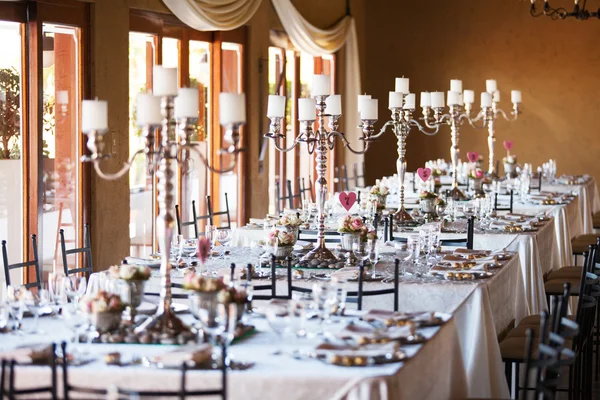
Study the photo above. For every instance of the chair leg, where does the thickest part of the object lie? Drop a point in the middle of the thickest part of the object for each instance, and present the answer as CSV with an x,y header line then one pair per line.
x,y
571,383
508,374
596,341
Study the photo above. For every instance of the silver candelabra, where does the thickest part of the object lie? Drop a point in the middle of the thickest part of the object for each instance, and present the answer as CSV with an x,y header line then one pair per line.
x,y
401,124
163,157
320,141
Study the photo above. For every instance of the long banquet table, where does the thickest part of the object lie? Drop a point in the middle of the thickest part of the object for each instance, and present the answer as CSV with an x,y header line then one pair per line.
x,y
273,376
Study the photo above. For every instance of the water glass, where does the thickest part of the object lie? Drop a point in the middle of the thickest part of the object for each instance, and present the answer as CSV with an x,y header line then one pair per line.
x,y
75,320
15,302
223,237
34,303
74,287
279,318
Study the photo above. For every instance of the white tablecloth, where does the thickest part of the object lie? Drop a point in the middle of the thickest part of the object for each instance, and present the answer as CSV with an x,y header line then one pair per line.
x,y
273,377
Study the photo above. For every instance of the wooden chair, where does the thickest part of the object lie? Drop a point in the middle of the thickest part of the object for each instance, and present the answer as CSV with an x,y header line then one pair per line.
x,y
86,251
311,236
193,222
9,371
509,208
290,198
184,393
359,179
467,241
34,263
212,214
341,179
306,192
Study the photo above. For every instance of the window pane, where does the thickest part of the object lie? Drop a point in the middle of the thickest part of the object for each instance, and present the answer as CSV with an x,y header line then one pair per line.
x,y
61,166
195,176
11,171
141,59
231,82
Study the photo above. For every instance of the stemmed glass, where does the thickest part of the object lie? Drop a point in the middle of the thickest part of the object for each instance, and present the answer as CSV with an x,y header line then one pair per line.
x,y
325,298
15,302
360,251
257,250
279,318
188,248
210,232
205,308
413,245
34,303
56,294
223,237
74,287
75,320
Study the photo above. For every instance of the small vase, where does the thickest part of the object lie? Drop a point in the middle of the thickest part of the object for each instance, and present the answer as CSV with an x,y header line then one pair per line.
x,y
348,239
204,306
283,251
427,207
478,187
509,170
106,321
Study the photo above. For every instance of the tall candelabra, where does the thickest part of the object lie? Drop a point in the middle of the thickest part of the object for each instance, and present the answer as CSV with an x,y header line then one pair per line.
x,y
319,142
402,106
489,113
176,118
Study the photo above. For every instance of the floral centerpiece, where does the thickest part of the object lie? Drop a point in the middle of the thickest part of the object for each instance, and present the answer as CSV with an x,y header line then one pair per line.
x,y
379,193
351,228
289,220
477,175
510,163
234,296
427,204
367,234
282,241
104,308
204,297
203,284
128,272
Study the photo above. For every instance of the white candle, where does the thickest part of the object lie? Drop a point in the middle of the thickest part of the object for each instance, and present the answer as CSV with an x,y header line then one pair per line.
x,y
515,96
452,98
369,111
232,108
396,100
496,96
486,99
456,85
409,101
469,97
361,101
187,103
402,85
425,99
276,106
491,86
333,104
307,109
437,100
164,81
148,110
321,85
94,115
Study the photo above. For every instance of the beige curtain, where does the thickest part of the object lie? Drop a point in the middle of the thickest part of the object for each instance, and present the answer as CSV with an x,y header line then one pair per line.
x,y
213,15
319,42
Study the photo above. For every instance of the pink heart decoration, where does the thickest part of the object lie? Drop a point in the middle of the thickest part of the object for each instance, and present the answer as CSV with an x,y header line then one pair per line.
x,y
473,156
424,173
347,199
508,144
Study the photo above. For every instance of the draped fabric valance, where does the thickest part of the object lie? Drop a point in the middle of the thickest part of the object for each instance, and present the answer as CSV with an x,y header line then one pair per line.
x,y
213,15
231,14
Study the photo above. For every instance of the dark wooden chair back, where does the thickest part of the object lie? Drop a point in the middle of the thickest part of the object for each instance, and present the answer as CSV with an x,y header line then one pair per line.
x,y
510,206
9,372
311,236
86,251
359,177
34,263
193,222
306,192
290,198
225,213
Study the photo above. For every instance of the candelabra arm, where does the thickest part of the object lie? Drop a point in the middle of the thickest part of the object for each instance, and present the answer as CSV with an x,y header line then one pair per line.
x,y
333,135
283,149
230,168
120,173
383,129
434,128
513,117
473,121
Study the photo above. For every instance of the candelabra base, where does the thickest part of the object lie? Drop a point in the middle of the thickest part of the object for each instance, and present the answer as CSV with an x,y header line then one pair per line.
x,y
163,322
457,194
321,254
402,217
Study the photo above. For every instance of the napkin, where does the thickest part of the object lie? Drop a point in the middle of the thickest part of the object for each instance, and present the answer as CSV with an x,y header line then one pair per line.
x,y
303,245
196,354
514,217
257,221
371,350
363,333
31,354
478,267
150,261
393,316
345,273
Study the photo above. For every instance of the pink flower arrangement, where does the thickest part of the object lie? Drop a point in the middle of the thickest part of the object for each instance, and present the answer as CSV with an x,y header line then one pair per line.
x,y
476,173
379,190
290,220
199,283
101,302
280,237
367,234
350,224
128,272
233,295
203,252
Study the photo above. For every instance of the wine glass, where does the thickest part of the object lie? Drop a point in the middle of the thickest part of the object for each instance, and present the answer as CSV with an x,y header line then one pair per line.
x,y
74,286
34,303
371,247
75,320
414,250
205,308
223,237
360,251
257,250
188,248
176,246
279,318
56,294
15,302
210,232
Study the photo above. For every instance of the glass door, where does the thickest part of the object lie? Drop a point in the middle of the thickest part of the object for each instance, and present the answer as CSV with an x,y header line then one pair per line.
x,y
11,143
61,166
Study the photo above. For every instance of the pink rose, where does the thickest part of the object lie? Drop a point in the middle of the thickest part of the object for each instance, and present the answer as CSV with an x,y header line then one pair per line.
x,y
478,173
356,223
